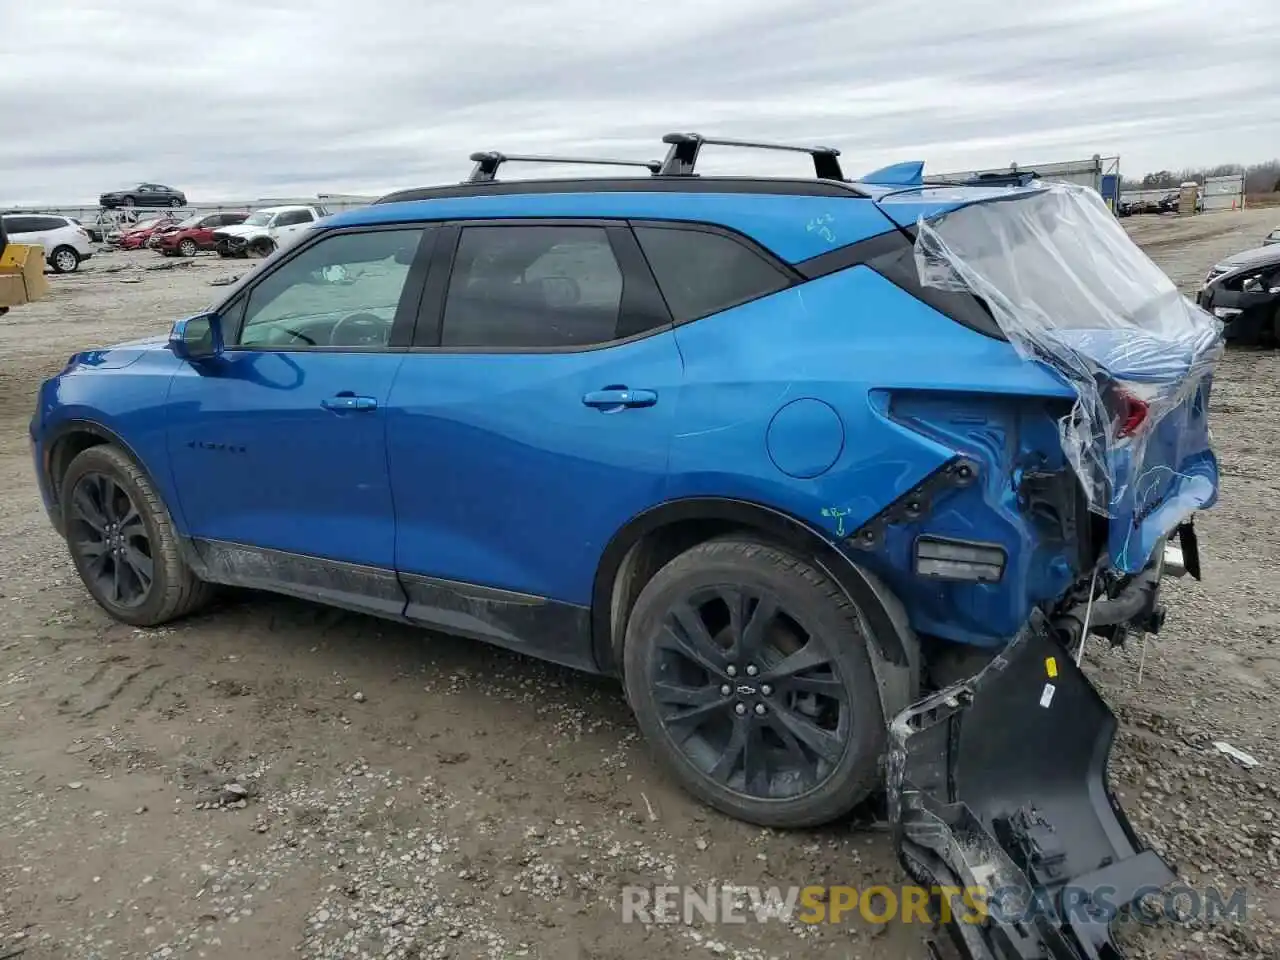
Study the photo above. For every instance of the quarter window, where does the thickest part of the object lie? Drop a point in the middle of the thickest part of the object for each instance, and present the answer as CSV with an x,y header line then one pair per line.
x,y
533,287
701,273
342,292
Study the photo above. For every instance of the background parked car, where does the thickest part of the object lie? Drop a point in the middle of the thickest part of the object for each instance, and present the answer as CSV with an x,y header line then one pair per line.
x,y
1243,291
1272,237
144,195
137,237
108,221
65,243
194,233
263,231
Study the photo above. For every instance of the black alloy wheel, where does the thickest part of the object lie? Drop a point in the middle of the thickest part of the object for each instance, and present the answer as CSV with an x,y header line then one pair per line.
x,y
107,533
748,669
123,542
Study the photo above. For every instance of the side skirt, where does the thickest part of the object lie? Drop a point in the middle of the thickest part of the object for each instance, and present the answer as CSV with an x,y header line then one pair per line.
x,y
535,626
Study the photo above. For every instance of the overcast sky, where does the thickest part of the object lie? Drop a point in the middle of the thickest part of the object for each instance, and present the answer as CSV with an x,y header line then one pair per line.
x,y
237,99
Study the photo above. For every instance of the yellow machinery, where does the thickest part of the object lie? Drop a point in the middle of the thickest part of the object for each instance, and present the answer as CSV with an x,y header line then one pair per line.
x,y
21,273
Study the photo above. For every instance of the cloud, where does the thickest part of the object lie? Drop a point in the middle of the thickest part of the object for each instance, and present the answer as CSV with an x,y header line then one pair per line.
x,y
239,100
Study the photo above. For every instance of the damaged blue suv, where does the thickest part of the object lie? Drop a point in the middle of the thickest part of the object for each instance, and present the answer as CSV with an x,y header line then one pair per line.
x,y
837,476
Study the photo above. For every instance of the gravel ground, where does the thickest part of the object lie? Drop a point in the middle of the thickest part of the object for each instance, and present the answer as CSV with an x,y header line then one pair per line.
x,y
275,778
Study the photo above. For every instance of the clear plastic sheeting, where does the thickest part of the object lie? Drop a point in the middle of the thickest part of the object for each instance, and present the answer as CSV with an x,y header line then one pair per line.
x,y
1070,289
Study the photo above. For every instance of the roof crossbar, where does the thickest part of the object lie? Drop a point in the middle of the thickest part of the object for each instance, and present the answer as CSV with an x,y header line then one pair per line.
x,y
487,163
682,154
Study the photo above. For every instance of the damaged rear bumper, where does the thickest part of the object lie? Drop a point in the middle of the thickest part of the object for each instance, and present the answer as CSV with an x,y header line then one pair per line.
x,y
997,790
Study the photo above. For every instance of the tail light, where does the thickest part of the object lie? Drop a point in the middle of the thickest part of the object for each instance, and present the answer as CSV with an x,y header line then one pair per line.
x,y
1130,412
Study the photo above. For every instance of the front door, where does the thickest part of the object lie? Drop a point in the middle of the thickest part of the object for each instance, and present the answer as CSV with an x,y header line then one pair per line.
x,y
532,422
280,443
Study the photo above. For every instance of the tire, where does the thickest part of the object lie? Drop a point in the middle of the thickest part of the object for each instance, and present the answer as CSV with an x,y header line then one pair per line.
x,y
64,259
187,247
175,202
127,202
666,686
101,487
261,248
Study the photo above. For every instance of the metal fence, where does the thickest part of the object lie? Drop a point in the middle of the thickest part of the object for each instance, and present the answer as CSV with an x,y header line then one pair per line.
x,y
1224,193
1098,172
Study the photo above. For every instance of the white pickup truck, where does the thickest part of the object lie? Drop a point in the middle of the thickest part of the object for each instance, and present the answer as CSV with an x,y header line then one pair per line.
x,y
265,230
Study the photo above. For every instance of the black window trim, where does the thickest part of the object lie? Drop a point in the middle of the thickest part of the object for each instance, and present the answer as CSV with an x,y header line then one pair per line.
x,y
793,276
895,241
641,299
407,309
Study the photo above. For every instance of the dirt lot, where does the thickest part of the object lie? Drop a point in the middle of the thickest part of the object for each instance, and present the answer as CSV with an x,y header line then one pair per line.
x,y
403,794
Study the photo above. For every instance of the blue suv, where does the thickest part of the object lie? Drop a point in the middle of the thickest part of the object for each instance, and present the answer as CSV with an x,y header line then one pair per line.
x,y
784,455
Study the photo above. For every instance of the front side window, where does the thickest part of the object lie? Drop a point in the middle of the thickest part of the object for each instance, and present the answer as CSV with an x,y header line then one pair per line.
x,y
341,292
532,287
701,273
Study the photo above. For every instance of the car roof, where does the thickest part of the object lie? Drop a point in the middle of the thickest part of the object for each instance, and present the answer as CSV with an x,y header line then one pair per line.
x,y
793,226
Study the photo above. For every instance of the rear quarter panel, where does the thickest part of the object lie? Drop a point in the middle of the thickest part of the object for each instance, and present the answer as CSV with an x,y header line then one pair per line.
x,y
853,340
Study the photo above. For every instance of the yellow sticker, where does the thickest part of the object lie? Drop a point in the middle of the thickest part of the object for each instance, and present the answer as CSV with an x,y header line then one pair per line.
x,y
1051,666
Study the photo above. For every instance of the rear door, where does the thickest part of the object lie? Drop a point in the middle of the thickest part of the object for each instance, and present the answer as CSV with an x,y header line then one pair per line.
x,y
289,224
534,416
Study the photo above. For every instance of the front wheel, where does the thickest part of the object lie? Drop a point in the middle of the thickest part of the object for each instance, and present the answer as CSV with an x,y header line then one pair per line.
x,y
187,247
123,542
748,672
261,248
64,260
175,202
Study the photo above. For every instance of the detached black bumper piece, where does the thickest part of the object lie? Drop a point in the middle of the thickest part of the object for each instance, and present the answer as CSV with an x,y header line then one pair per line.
x,y
997,788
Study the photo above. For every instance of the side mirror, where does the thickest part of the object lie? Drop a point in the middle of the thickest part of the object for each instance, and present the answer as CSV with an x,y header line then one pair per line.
x,y
197,338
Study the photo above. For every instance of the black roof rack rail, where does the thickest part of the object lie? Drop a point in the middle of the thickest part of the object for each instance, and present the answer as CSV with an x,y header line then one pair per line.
x,y
487,163
682,155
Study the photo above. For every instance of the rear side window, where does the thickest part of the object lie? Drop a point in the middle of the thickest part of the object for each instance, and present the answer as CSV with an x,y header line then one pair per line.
x,y
292,217
20,224
701,273
49,223
538,287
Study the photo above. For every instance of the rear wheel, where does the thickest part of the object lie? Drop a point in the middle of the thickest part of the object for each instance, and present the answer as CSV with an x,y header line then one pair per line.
x,y
175,202
187,247
64,259
748,671
123,542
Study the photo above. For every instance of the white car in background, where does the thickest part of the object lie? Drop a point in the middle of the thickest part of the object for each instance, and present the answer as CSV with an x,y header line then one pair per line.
x,y
266,230
66,244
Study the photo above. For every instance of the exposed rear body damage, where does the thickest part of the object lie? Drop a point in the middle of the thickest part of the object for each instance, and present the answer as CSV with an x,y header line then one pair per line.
x,y
999,782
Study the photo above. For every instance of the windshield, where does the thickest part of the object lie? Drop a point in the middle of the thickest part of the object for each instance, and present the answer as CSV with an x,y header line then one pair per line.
x,y
259,219
190,222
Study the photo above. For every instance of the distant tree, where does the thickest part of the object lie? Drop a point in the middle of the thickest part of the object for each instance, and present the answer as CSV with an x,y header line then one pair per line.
x,y
1258,177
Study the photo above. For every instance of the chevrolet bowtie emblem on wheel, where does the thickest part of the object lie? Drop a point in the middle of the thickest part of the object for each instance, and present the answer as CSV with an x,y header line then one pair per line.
x,y
744,690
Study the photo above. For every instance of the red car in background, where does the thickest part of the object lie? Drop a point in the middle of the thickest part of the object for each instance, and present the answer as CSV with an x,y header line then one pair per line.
x,y
136,238
194,233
